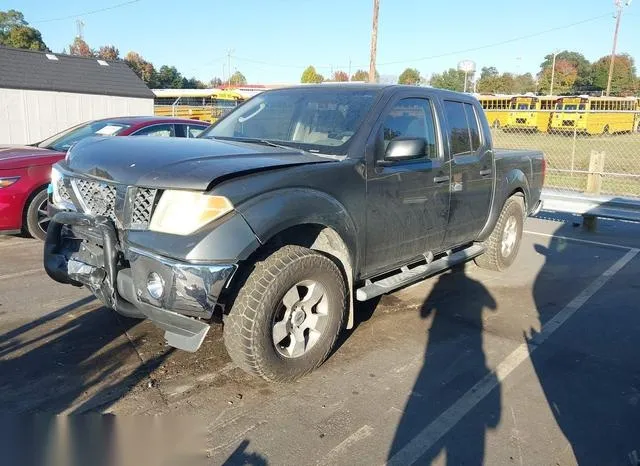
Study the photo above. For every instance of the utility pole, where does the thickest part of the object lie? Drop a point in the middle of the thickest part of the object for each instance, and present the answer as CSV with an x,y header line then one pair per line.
x,y
349,69
619,7
553,72
374,42
229,52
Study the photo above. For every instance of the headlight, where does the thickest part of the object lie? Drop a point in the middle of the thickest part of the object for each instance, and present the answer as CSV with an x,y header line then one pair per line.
x,y
183,212
6,182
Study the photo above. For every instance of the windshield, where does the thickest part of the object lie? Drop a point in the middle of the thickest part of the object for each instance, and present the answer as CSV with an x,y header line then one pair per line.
x,y
316,120
64,140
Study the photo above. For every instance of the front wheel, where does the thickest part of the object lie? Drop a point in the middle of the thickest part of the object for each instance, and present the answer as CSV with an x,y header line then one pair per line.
x,y
36,216
501,248
287,316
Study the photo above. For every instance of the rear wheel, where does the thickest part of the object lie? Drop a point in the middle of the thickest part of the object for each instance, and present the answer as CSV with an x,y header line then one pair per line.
x,y
501,248
36,216
286,318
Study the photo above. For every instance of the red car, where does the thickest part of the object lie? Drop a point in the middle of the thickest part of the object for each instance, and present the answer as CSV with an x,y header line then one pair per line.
x,y
25,171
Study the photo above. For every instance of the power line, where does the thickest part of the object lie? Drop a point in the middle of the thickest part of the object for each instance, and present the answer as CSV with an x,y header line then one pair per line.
x,y
446,54
86,13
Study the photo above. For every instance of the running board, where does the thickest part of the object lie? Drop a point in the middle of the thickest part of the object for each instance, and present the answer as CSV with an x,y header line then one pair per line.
x,y
407,277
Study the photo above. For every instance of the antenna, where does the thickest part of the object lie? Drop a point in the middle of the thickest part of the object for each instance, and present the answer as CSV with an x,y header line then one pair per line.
x,y
80,28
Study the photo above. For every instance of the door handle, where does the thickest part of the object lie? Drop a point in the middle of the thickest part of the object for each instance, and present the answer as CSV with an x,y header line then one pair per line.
x,y
440,179
486,172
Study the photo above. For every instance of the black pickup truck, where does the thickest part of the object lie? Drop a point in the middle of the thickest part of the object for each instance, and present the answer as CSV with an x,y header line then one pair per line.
x,y
283,214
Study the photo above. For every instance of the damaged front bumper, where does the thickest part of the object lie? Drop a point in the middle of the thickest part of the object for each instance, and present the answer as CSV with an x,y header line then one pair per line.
x,y
82,250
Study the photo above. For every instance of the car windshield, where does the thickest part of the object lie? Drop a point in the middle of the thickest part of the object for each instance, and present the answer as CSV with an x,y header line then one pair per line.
x,y
64,140
316,120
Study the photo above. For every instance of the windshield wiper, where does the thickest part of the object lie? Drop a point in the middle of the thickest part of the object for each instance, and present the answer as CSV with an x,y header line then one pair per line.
x,y
273,144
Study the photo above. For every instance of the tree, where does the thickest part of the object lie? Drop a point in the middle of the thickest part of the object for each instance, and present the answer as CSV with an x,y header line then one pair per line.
x,y
524,83
310,75
108,52
451,79
409,76
16,32
360,75
80,48
215,82
142,68
340,76
193,83
564,78
581,64
237,79
623,79
168,77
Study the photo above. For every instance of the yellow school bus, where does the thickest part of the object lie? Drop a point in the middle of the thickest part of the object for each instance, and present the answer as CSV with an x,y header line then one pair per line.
x,y
196,104
496,108
594,115
532,113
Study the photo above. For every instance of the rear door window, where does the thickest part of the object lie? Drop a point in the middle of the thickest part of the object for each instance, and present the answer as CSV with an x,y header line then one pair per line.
x,y
464,128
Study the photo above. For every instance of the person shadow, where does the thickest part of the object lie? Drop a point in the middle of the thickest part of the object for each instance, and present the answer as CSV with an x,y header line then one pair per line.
x,y
454,361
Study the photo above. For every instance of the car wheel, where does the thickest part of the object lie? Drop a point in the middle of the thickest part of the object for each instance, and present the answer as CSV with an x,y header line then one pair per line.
x,y
36,216
287,315
501,248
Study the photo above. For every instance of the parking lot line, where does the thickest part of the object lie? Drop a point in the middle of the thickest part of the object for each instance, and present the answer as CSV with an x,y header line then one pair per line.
x,y
578,240
431,434
20,274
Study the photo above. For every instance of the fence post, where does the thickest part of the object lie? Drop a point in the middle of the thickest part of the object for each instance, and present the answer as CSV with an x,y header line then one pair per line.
x,y
596,168
573,150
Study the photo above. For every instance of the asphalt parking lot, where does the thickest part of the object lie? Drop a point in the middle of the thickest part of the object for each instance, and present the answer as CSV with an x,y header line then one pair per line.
x,y
538,365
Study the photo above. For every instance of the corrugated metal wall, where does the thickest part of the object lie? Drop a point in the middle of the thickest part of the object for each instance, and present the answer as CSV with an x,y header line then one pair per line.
x,y
31,116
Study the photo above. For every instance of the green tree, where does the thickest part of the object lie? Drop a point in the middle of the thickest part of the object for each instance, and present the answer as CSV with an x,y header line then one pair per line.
x,y
193,83
524,83
623,79
340,76
237,79
451,79
142,68
108,52
310,75
360,75
584,78
489,82
215,82
16,32
409,76
168,77
564,78
80,48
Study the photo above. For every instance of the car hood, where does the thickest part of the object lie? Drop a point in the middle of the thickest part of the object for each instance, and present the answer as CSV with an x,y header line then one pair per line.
x,y
176,163
13,157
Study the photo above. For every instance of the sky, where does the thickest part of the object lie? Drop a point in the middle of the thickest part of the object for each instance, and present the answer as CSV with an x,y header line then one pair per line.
x,y
272,41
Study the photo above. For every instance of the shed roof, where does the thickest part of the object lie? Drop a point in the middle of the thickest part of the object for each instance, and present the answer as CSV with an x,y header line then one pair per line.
x,y
33,70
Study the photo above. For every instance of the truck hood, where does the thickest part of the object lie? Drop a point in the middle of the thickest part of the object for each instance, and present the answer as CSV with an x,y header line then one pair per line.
x,y
14,157
176,163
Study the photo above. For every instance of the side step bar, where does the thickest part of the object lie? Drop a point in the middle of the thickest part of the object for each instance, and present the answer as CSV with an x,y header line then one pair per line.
x,y
407,277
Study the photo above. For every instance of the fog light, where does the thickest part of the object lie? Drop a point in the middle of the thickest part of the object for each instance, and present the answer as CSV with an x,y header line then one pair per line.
x,y
155,285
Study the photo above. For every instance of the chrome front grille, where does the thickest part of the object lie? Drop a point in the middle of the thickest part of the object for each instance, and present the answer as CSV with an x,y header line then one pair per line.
x,y
97,198
143,207
63,192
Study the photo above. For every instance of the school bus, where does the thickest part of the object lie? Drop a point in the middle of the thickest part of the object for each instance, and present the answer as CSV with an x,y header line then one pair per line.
x,y
496,108
594,115
531,113
196,104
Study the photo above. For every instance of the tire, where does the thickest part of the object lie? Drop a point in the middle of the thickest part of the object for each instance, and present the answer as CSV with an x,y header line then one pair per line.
x,y
254,326
497,256
36,217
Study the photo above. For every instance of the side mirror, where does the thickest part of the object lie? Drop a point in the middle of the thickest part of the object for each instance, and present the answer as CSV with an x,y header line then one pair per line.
x,y
405,149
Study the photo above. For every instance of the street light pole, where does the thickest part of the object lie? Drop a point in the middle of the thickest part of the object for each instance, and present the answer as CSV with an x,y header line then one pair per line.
x,y
619,6
374,42
553,72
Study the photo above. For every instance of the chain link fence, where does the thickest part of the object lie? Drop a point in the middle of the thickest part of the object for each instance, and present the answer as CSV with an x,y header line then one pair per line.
x,y
585,151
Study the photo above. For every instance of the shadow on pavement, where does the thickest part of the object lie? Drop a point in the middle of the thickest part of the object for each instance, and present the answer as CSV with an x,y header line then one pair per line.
x,y
240,456
454,361
71,360
589,374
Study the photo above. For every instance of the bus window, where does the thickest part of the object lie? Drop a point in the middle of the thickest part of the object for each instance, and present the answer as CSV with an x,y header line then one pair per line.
x,y
581,107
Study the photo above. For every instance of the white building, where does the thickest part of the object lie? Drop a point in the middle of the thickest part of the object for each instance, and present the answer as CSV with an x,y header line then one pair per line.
x,y
43,93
